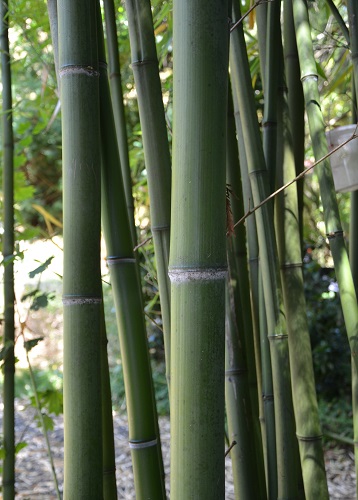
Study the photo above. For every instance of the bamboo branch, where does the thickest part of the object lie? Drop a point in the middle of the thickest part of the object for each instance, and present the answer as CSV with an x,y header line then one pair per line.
x,y
298,177
256,4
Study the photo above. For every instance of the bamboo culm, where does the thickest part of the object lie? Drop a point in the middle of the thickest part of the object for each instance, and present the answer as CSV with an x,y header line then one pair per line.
x,y
8,472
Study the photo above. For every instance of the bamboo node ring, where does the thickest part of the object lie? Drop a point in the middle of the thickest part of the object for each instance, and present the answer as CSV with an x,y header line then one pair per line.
x,y
309,438
334,234
138,445
80,300
197,274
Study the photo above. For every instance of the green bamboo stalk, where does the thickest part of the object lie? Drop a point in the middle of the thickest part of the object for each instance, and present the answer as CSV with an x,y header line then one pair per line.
x,y
109,466
118,107
339,20
238,409
197,255
285,438
241,384
331,214
263,363
269,434
144,439
295,103
308,429
82,291
156,147
241,351
273,39
108,450
8,475
353,248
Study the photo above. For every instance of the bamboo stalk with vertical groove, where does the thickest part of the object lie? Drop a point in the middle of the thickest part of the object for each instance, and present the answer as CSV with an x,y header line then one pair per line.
x,y
82,291
156,147
144,439
8,473
197,256
118,108
320,148
284,421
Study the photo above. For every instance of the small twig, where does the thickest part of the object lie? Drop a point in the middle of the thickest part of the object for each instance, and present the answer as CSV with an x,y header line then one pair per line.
x,y
297,178
230,448
142,244
256,4
153,321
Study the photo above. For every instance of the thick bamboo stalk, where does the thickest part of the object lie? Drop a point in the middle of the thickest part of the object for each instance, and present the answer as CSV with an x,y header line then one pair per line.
x,y
8,474
144,439
82,291
118,108
285,438
197,256
156,147
308,429
320,148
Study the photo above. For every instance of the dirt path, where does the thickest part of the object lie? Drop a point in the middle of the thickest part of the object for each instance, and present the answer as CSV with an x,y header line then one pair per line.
x,y
34,480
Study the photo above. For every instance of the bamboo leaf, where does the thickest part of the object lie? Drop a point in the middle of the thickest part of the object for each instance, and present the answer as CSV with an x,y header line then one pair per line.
x,y
30,344
41,268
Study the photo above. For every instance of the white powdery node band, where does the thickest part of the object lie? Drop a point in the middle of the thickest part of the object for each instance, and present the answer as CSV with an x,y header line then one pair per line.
x,y
197,274
78,70
80,301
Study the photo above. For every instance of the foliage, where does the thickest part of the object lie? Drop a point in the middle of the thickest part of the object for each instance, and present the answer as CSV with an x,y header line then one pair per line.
x,y
331,352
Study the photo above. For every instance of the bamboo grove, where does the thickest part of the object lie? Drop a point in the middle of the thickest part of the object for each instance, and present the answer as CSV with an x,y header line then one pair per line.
x,y
237,347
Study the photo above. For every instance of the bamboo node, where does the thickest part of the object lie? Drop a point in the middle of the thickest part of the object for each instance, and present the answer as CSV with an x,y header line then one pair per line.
x,y
334,234
80,300
138,445
119,260
73,69
281,336
197,274
235,371
309,438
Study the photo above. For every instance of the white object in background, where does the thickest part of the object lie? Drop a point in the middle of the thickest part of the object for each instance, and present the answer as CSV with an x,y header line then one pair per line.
x,y
344,162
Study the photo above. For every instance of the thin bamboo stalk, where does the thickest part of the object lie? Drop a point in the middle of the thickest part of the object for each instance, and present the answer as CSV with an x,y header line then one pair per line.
x,y
331,214
308,429
197,255
156,147
109,459
238,409
118,108
262,354
285,438
273,39
241,384
82,291
144,438
353,248
241,350
295,103
8,474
